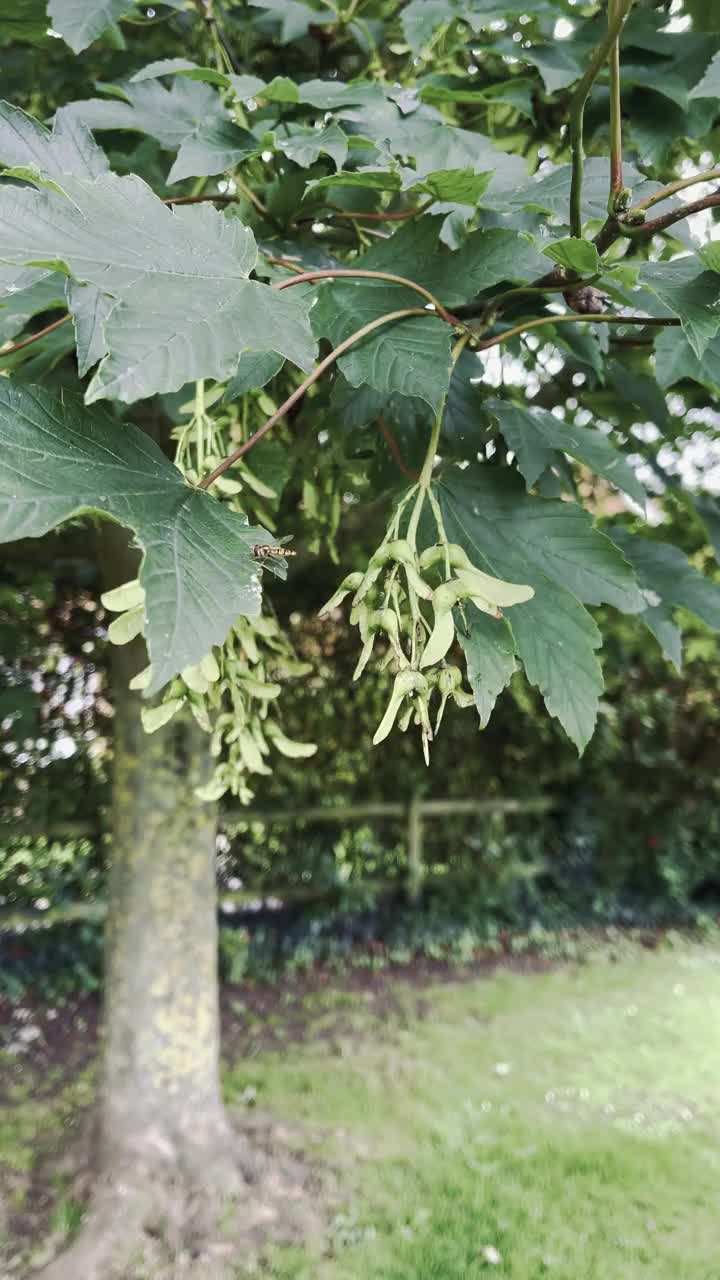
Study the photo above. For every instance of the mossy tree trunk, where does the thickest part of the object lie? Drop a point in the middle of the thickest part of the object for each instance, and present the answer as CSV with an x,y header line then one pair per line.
x,y
166,1160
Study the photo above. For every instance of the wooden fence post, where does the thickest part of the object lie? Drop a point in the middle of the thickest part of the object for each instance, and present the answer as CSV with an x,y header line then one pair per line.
x,y
415,812
416,869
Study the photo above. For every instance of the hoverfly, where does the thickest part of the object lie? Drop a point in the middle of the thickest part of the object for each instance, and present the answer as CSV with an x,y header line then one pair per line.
x,y
272,550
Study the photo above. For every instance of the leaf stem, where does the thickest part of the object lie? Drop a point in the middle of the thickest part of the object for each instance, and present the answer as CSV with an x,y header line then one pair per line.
x,y
299,392
368,275
223,53
616,167
427,467
35,337
577,110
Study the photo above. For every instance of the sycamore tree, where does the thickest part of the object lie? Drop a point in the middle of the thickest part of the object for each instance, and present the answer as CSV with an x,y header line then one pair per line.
x,y
278,264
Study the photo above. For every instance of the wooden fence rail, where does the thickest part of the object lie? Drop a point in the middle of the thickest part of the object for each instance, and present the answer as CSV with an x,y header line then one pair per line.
x,y
414,812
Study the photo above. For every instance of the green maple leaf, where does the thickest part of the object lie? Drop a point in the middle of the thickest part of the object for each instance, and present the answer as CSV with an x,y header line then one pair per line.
x,y
536,435
80,22
62,460
554,547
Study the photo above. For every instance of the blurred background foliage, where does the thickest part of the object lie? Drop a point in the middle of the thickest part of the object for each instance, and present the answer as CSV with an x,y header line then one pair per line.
x,y
632,836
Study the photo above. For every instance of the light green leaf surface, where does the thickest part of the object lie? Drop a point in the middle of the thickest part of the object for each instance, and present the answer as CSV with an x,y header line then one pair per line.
x,y
68,148
578,255
185,306
89,308
214,146
169,115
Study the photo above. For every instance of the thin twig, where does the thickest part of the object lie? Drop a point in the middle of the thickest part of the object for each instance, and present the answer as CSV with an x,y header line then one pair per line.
x,y
578,319
577,110
333,274
35,337
249,194
224,199
222,49
336,211
299,392
486,306
672,189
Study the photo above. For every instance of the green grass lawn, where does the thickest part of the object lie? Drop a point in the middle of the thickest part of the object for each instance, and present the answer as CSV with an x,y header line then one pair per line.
x,y
570,1121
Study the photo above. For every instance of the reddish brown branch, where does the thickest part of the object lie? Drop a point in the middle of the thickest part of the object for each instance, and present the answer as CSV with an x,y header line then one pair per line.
x,y
675,215
614,228
35,337
351,273
299,392
284,262
392,445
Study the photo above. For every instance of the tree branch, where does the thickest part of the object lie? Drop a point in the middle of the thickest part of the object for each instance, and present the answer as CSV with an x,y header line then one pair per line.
x,y
299,392
666,220
577,109
333,274
486,306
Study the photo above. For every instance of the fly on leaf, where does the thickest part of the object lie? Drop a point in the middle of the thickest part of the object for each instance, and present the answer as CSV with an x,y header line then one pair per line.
x,y
267,550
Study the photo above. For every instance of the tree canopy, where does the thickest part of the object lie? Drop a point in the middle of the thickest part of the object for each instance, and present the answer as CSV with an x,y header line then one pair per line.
x,y
453,260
